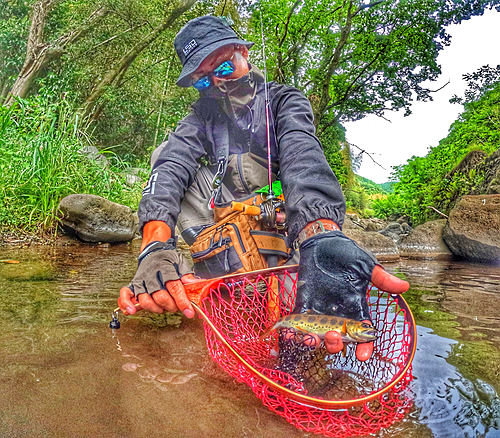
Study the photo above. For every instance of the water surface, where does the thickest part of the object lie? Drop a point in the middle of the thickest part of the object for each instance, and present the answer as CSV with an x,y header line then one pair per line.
x,y
64,373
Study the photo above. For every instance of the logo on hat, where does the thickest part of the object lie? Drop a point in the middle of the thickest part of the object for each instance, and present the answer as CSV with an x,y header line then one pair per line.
x,y
189,47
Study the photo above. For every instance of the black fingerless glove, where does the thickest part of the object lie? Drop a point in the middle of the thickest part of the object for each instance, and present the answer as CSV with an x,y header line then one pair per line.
x,y
159,262
334,273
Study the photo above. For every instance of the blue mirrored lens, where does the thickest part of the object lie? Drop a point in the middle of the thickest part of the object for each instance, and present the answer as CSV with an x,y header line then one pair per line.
x,y
227,68
202,84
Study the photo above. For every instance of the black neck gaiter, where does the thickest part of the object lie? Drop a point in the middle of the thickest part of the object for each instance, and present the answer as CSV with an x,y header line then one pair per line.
x,y
237,92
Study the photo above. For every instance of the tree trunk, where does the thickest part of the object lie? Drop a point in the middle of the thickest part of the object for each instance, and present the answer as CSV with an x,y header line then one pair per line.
x,y
38,53
112,76
5,90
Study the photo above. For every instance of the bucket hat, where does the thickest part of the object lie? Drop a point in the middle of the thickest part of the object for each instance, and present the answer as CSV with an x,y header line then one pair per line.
x,y
198,39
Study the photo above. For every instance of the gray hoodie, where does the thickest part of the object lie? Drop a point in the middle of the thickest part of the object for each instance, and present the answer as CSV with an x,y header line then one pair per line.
x,y
236,121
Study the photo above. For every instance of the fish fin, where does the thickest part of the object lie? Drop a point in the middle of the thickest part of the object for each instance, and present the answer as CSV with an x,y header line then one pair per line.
x,y
300,329
344,328
344,350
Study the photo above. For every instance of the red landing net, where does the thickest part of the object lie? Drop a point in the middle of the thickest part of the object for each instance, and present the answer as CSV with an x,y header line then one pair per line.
x,y
315,391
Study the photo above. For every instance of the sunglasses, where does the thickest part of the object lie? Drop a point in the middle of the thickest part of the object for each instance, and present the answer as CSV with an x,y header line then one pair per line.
x,y
227,68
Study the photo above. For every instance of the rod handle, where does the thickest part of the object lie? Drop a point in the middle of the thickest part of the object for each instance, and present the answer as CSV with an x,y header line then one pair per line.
x,y
251,210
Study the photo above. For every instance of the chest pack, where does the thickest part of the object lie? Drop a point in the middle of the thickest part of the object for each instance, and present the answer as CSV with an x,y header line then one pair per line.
x,y
237,243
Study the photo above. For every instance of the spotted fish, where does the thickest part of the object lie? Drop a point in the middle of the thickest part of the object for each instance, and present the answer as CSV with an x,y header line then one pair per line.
x,y
351,330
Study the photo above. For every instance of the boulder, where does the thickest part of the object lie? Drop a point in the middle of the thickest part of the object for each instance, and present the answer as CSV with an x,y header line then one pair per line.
x,y
395,231
95,219
425,242
473,228
393,227
373,224
405,219
352,224
381,246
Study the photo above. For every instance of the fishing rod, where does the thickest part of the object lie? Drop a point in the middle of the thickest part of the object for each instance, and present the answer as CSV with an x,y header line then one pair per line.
x,y
266,94
272,209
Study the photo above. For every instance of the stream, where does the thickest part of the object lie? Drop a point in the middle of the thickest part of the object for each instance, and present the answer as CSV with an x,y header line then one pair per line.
x,y
64,373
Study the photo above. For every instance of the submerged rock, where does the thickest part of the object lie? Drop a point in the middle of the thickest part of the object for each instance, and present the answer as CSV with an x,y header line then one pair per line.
x,y
381,246
425,242
95,219
473,228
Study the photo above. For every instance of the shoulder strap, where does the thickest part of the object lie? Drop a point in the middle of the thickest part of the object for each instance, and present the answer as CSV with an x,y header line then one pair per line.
x,y
221,152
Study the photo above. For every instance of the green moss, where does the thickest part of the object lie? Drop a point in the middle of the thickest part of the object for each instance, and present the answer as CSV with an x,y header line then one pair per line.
x,y
429,314
477,360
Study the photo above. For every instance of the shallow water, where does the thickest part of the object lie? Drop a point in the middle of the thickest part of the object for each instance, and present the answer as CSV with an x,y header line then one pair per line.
x,y
64,373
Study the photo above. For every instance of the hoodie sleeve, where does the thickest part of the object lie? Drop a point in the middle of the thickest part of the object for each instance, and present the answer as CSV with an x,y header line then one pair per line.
x,y
311,189
173,173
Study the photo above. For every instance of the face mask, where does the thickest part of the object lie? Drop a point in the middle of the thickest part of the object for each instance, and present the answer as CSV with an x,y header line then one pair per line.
x,y
239,92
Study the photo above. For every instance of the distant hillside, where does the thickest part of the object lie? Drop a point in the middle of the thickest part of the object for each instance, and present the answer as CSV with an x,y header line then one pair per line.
x,y
372,187
388,186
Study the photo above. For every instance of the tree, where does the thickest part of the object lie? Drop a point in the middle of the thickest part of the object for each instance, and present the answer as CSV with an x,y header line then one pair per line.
x,y
117,72
39,52
439,178
354,58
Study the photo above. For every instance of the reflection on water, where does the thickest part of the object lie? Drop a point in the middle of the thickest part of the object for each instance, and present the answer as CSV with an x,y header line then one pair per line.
x,y
63,372
450,404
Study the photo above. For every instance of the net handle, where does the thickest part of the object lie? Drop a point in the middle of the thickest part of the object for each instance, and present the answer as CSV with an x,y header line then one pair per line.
x,y
300,398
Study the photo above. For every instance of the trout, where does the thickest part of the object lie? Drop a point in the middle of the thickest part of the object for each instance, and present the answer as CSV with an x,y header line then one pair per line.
x,y
351,330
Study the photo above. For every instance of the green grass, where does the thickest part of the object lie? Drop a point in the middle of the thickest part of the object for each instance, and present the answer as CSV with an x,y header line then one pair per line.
x,y
41,163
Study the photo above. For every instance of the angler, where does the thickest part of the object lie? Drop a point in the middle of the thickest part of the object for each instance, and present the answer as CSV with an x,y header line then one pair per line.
x,y
240,134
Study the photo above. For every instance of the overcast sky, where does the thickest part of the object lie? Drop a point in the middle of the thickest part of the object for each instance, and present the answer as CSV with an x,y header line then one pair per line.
x,y
473,44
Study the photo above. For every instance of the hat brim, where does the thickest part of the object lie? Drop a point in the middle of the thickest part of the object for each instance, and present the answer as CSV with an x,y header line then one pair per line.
x,y
194,61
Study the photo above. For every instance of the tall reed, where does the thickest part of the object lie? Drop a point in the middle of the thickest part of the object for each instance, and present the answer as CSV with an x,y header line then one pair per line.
x,y
41,161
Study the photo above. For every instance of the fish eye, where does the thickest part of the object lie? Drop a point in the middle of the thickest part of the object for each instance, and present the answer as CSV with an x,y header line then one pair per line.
x,y
366,325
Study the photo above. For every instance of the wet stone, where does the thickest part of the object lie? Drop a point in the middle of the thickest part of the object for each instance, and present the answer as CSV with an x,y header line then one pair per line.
x,y
165,377
129,367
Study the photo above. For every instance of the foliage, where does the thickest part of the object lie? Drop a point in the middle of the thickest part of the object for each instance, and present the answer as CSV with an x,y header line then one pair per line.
x,y
386,206
358,58
429,181
41,162
478,82
371,187
350,59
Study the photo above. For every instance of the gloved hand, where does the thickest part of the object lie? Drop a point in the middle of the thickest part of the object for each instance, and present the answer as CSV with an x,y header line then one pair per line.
x,y
333,277
157,283
159,262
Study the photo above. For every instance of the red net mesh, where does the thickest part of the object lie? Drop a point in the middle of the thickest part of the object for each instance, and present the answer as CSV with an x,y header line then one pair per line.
x,y
243,307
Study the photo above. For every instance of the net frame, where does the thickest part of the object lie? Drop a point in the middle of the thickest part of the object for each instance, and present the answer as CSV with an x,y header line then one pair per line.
x,y
238,309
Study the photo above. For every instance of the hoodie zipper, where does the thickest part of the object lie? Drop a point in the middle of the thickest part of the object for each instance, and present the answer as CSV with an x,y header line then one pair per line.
x,y
240,174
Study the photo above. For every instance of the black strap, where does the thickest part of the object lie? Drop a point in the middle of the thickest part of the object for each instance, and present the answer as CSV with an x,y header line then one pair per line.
x,y
157,246
221,133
